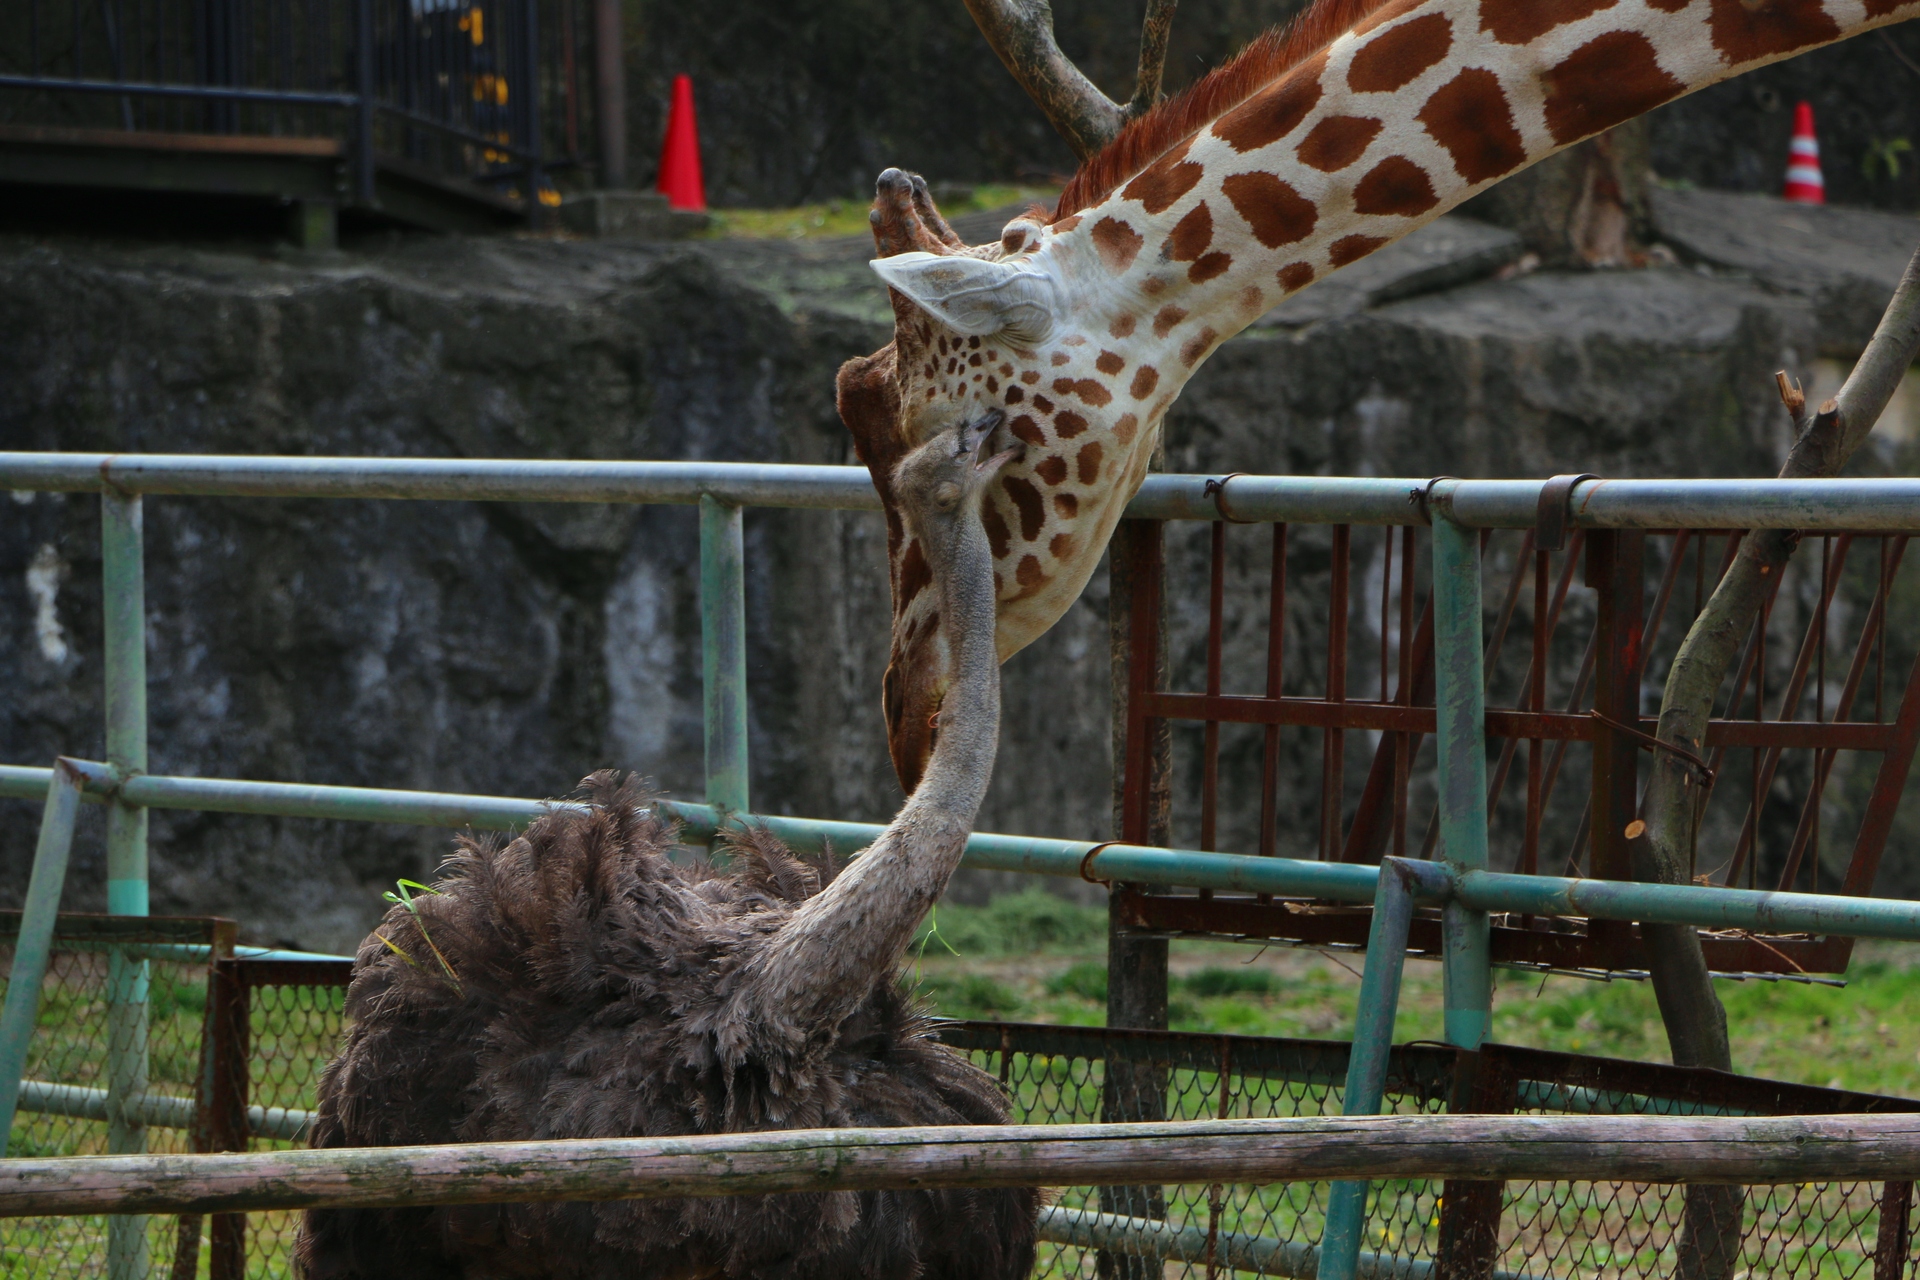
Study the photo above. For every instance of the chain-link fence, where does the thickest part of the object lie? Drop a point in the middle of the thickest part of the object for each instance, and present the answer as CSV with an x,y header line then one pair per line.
x,y
237,1045
115,1064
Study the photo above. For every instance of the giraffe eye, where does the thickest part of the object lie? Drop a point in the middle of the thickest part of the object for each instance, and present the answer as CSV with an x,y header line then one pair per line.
x,y
946,496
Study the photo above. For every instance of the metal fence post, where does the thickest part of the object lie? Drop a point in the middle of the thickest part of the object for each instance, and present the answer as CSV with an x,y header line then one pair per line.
x,y
536,151
39,914
1461,725
1378,1006
362,158
124,614
723,654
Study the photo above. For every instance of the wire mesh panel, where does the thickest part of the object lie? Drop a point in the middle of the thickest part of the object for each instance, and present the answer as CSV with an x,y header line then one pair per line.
x,y
1059,1075
273,1026
119,1033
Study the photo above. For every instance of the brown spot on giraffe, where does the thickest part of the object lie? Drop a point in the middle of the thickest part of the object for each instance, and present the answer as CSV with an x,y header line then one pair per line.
x,y
1190,236
1117,244
1165,180
1396,187
1026,498
1609,79
1043,404
1275,211
1065,505
1398,55
915,574
1030,376
1197,346
1294,276
1524,21
1094,393
1014,394
1274,112
1353,248
1028,572
1067,424
1145,379
1060,358
1166,318
1337,142
973,342
1469,116
1209,265
1006,371
1875,8
1053,470
999,537
1124,428
1087,464
1066,224
1060,547
1122,326
1769,28
1110,362
1025,428
974,360
993,385
1252,298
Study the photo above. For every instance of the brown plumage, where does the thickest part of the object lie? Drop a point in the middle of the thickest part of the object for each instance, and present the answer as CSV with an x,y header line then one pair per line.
x,y
576,983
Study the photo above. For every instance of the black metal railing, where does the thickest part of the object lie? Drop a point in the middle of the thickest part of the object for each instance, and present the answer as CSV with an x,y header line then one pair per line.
x,y
492,91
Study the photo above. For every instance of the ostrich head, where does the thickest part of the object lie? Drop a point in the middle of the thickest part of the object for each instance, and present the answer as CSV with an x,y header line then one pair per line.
x,y
939,485
940,488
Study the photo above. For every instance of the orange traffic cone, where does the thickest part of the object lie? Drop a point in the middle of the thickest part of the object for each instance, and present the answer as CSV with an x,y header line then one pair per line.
x,y
1804,182
680,179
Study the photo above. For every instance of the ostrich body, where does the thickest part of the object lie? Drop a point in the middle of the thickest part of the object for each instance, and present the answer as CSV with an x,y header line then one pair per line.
x,y
576,983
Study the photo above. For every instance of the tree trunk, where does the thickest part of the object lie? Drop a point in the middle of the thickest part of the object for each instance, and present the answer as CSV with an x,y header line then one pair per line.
x,y
1664,853
1585,207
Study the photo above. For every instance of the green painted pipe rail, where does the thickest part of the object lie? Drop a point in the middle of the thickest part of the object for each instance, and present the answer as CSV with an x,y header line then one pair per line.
x,y
1870,505
1823,914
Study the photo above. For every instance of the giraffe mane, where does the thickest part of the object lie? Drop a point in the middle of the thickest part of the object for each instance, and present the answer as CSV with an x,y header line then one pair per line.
x,y
1269,56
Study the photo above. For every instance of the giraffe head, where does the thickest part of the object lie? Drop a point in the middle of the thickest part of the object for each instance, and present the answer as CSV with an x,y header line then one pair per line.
x,y
1021,328
1319,144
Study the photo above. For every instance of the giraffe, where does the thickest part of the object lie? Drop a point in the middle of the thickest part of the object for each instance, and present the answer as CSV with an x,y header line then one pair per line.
x,y
1321,142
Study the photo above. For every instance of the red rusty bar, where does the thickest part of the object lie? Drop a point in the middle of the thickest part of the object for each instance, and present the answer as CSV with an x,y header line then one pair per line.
x,y
1893,1238
1387,777
1333,741
1276,655
1386,603
1536,700
1210,748
1877,824
1403,743
1147,572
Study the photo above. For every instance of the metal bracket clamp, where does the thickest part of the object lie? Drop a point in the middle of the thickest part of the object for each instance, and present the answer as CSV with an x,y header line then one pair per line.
x,y
1217,490
1555,515
1421,499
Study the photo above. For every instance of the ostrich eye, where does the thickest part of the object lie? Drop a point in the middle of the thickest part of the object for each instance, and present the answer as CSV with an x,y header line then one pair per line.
x,y
946,496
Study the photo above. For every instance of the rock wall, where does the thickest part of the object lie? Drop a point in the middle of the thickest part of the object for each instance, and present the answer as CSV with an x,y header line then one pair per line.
x,y
510,649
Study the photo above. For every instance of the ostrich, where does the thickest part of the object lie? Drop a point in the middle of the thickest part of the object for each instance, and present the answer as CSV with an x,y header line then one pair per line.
x,y
575,983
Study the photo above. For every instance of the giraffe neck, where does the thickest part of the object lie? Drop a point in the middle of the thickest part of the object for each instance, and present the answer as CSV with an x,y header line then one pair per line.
x,y
1420,106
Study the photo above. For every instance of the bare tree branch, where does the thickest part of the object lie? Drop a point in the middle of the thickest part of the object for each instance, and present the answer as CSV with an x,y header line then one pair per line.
x,y
1021,33
1153,55
1695,1021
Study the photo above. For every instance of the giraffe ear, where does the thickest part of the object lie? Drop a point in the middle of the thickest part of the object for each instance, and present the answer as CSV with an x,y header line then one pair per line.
x,y
974,296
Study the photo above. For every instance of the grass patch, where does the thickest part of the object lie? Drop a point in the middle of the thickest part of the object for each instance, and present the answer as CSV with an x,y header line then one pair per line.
x,y
1030,922
849,217
1862,1036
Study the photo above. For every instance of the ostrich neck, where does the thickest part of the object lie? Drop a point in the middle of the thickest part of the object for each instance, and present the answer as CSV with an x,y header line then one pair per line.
x,y
823,964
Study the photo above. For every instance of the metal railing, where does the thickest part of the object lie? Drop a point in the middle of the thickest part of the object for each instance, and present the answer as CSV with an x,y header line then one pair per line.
x,y
488,90
1460,881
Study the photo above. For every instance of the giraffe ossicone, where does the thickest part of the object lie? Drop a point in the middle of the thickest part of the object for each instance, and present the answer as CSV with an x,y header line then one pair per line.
x,y
1316,147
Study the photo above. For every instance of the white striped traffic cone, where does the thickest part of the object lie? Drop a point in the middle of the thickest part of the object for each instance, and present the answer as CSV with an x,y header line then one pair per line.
x,y
1804,183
